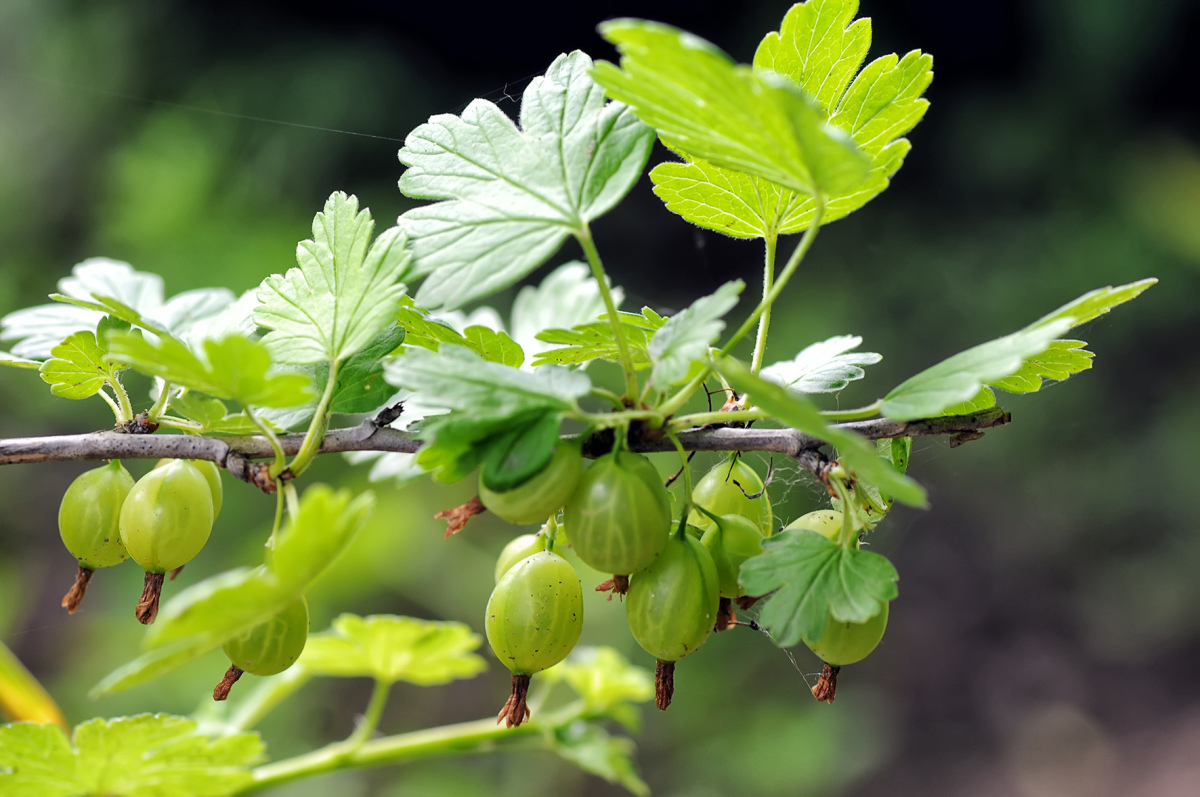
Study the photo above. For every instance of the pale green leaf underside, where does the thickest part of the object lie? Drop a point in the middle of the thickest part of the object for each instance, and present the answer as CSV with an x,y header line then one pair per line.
x,y
816,579
824,367
736,117
149,755
961,377
687,335
390,648
13,361
513,194
820,51
233,368
78,367
342,293
855,452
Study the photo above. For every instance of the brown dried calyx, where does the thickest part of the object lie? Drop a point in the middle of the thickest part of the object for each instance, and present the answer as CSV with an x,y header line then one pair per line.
x,y
147,607
617,585
75,595
456,517
515,711
726,616
826,687
664,684
231,676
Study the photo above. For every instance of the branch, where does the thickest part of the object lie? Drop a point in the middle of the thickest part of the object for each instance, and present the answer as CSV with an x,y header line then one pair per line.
x,y
236,454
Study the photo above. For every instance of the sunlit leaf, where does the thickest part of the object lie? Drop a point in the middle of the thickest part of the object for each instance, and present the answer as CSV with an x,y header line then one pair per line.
x,y
78,367
824,367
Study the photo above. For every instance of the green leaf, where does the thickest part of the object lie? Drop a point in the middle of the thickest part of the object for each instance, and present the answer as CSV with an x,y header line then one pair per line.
x,y
824,367
204,616
341,295
569,295
961,377
596,751
495,347
233,368
456,378
39,329
513,195
424,331
515,456
605,679
13,361
819,48
78,367
855,453
687,335
816,579
596,341
211,415
149,755
738,118
985,399
1062,359
390,648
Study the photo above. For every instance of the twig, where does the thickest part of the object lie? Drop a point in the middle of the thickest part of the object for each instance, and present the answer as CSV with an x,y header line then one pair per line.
x,y
236,453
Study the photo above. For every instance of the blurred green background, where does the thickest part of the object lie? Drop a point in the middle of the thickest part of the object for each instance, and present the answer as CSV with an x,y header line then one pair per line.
x,y
1048,627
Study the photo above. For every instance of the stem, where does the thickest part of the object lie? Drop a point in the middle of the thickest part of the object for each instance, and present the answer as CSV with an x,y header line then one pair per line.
x,y
846,536
270,693
609,395
316,429
113,404
279,499
673,404
293,500
764,321
687,477
593,257
793,263
160,404
479,736
269,433
374,712
122,398
702,418
869,411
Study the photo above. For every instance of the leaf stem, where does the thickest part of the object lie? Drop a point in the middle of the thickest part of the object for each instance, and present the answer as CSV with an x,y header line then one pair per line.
x,y
764,321
160,404
687,476
858,413
317,427
371,717
608,395
122,397
793,263
593,257
112,405
702,418
269,433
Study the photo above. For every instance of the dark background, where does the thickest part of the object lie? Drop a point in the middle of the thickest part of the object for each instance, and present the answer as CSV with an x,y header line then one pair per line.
x,y
1046,637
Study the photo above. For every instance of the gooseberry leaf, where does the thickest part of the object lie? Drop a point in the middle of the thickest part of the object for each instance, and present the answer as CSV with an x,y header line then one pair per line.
x,y
148,755
815,579
748,120
13,361
232,368
824,367
511,195
790,408
606,681
961,377
493,346
568,296
819,48
590,747
687,335
98,287
390,648
360,384
596,341
1061,360
78,367
342,293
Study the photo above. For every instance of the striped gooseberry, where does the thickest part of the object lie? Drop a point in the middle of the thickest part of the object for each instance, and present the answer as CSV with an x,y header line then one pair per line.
x,y
266,649
534,618
731,541
619,517
88,521
165,521
540,496
518,548
671,606
725,490
212,474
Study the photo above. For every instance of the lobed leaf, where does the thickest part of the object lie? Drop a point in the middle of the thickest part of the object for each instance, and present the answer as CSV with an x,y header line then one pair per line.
x,y
78,367
962,377
148,755
211,415
819,48
596,340
687,335
814,579
594,750
97,287
341,294
390,648
605,680
824,367
509,196
855,453
738,118
233,368
568,296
